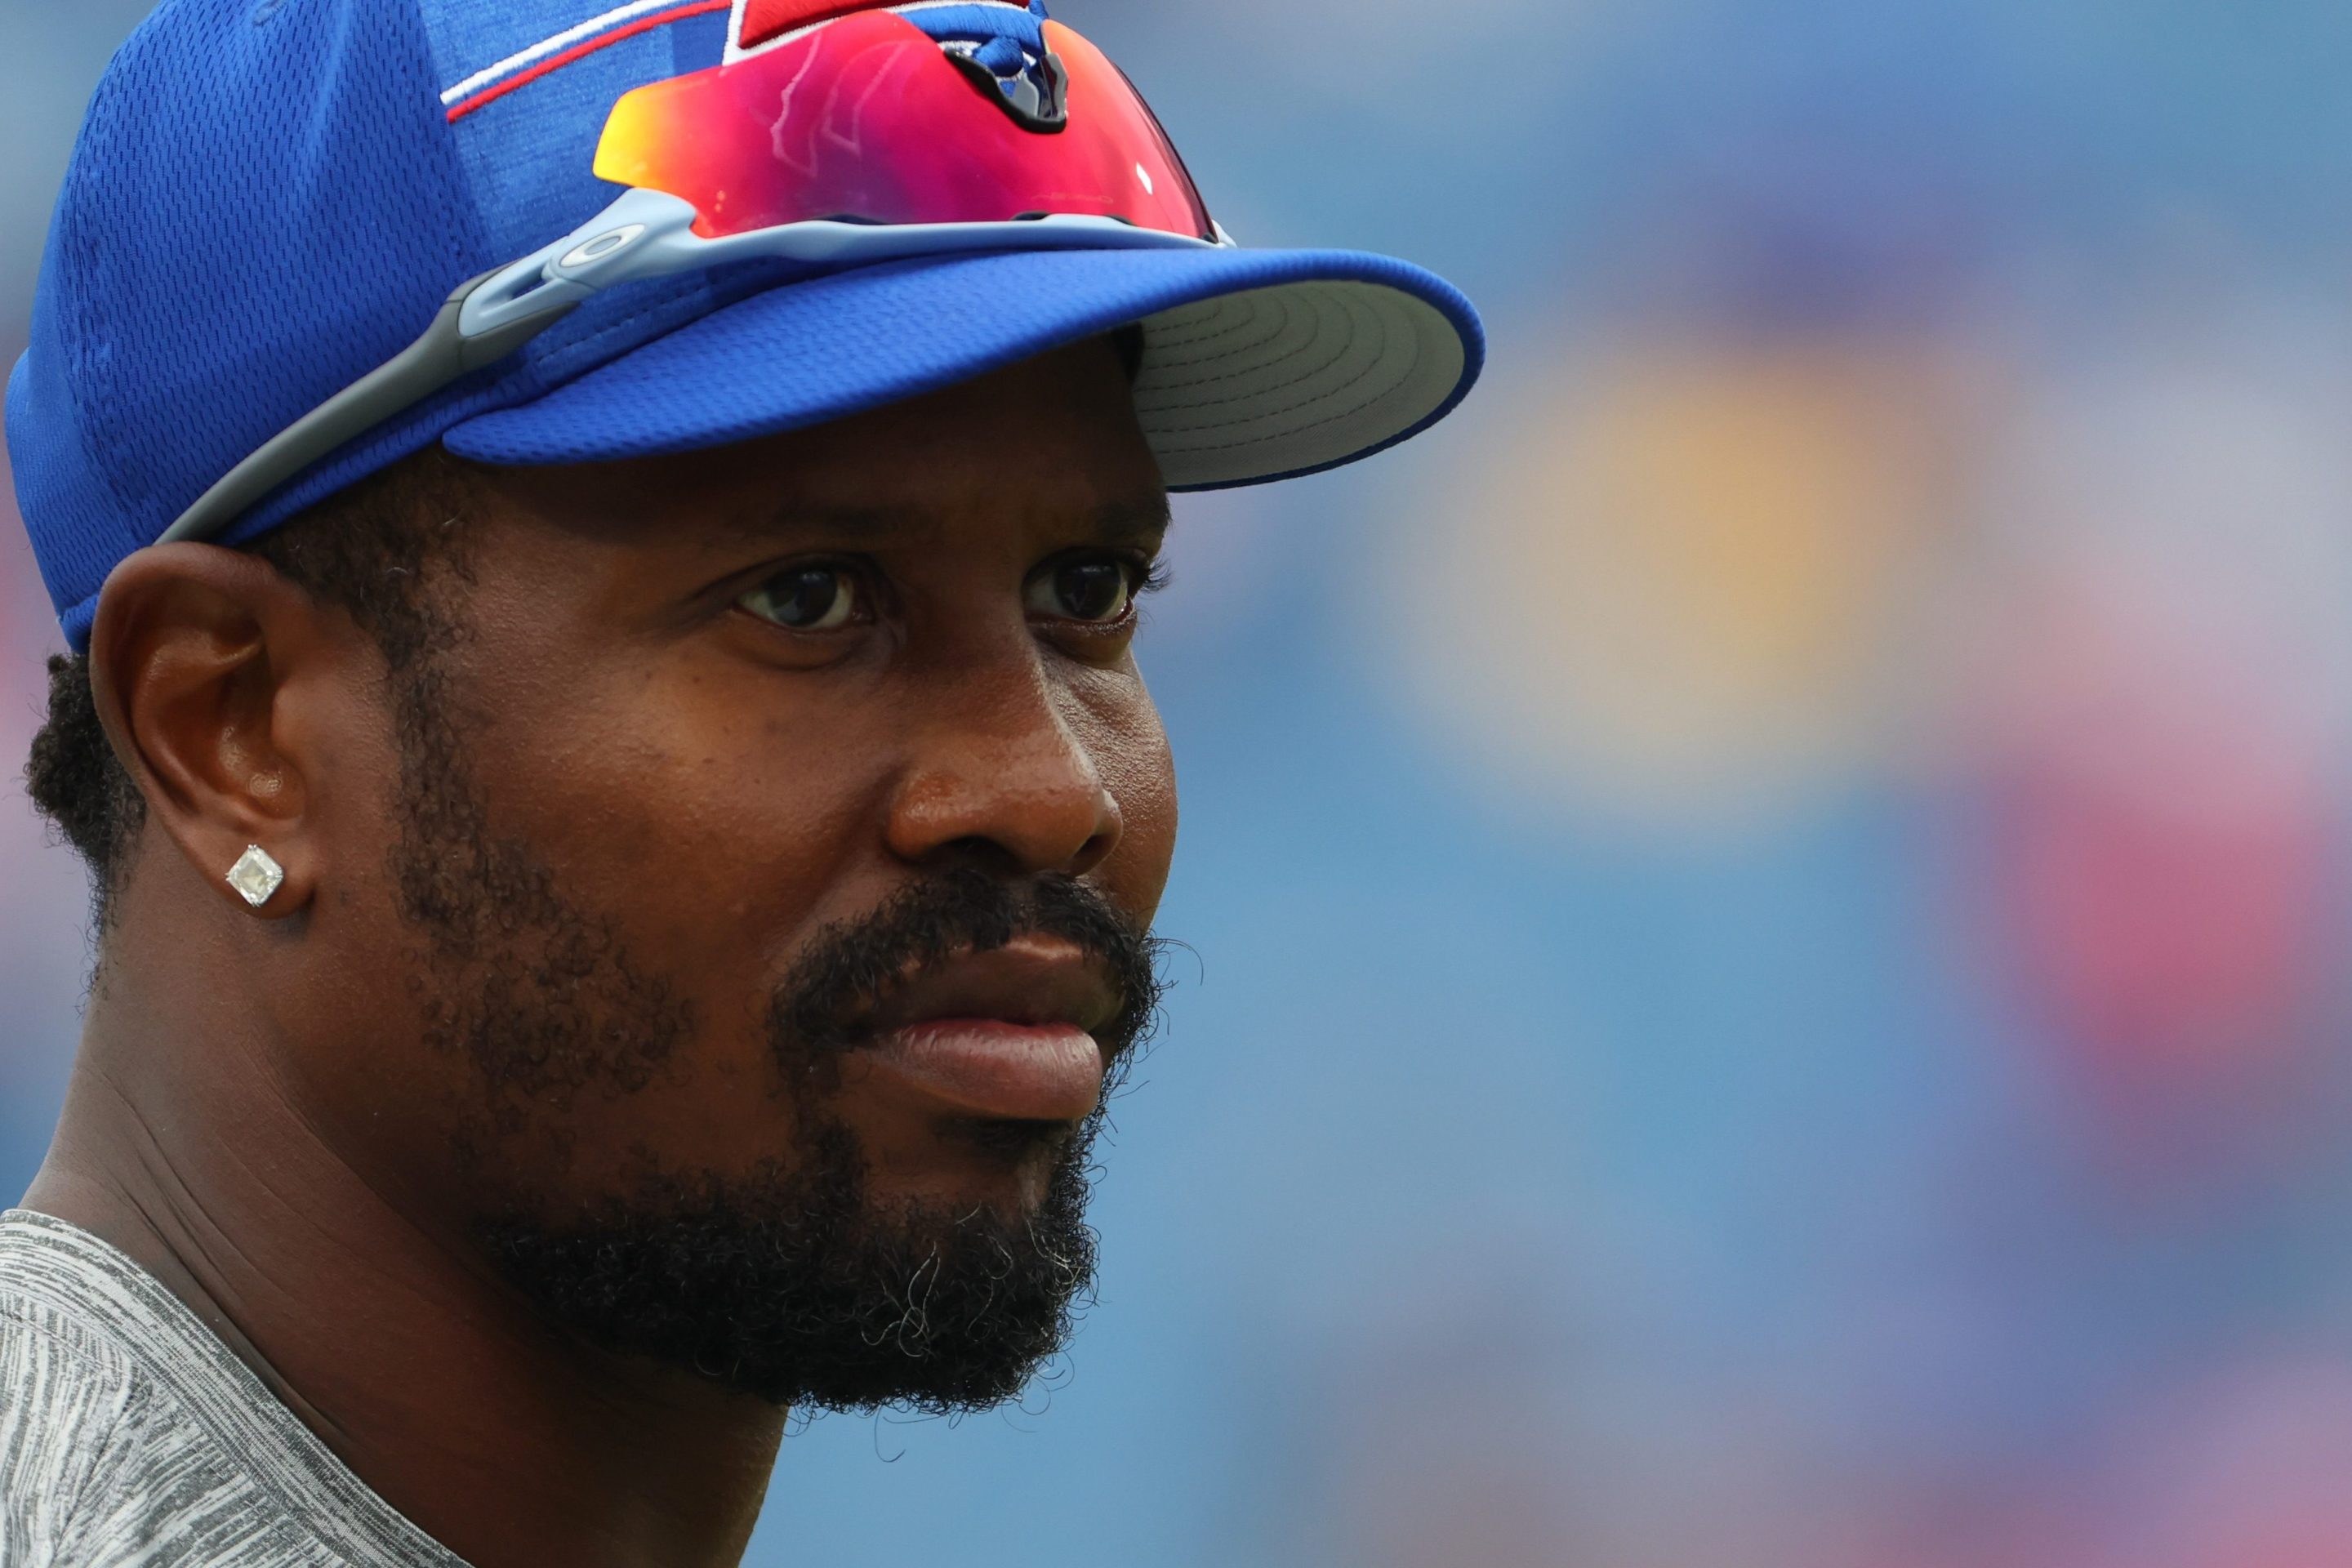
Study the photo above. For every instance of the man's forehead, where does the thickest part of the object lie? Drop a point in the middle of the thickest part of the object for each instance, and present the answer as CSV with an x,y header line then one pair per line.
x,y
1142,519
764,500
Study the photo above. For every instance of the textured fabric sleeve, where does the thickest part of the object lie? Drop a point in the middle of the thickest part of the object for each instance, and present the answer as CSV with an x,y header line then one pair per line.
x,y
52,1380
157,1499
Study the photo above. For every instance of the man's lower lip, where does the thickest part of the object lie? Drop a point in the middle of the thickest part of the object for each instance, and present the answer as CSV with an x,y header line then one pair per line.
x,y
987,1068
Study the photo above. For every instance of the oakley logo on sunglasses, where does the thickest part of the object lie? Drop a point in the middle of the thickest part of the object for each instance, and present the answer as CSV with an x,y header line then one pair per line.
x,y
603,245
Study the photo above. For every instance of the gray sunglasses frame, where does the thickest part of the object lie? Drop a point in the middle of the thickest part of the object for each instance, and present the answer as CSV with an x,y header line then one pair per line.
x,y
643,236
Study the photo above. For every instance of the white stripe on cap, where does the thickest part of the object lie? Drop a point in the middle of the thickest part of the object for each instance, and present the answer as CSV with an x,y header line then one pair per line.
x,y
562,41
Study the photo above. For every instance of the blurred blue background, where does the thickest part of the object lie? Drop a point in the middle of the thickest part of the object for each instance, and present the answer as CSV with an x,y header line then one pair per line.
x,y
1769,900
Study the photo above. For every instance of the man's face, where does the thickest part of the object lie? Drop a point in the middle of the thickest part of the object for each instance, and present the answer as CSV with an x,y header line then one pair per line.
x,y
730,923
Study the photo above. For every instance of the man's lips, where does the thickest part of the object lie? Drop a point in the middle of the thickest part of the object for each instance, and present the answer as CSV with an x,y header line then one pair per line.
x,y
1001,1036
987,1070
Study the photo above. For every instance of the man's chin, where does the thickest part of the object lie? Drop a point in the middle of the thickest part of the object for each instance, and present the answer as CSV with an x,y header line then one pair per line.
x,y
811,1288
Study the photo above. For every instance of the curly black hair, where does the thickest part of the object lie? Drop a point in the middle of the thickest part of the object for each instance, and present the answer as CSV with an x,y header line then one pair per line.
x,y
364,550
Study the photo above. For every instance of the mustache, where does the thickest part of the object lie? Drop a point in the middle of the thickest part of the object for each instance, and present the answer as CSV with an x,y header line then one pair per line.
x,y
852,965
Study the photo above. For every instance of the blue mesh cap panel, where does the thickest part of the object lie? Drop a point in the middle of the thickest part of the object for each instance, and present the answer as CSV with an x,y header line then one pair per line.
x,y
697,43
258,212
268,202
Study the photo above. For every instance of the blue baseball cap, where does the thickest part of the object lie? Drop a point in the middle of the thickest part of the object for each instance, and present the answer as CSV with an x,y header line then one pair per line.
x,y
272,198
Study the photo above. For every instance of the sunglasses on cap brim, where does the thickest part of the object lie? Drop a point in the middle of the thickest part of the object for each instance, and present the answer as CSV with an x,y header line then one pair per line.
x,y
857,140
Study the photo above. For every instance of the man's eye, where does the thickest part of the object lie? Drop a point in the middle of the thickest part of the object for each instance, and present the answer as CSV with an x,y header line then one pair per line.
x,y
1095,593
806,598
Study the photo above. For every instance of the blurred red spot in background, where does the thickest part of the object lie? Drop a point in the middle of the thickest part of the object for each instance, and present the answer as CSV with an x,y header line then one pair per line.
x,y
2161,859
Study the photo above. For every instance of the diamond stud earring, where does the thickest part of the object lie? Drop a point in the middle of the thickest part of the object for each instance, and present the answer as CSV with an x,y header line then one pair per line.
x,y
255,876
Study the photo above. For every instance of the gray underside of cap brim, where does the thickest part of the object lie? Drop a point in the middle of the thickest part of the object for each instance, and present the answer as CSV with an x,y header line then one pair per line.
x,y
1290,378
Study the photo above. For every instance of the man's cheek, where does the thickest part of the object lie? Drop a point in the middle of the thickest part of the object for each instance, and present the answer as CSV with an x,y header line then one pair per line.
x,y
1138,769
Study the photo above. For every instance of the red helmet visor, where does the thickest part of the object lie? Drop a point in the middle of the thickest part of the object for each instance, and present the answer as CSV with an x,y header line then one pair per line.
x,y
866,119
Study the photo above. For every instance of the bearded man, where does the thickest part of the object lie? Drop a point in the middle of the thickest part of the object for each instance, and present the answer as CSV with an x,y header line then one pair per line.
x,y
625,820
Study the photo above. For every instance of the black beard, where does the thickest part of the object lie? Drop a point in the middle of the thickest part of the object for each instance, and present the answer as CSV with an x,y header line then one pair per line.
x,y
794,1284
796,1287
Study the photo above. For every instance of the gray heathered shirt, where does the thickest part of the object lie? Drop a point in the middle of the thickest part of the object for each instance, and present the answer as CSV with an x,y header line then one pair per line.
x,y
130,1434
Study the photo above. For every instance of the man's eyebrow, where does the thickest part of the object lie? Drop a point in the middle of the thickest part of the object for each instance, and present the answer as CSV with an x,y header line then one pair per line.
x,y
1133,522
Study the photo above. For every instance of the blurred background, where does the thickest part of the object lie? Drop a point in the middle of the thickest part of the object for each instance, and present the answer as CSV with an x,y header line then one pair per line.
x,y
1770,901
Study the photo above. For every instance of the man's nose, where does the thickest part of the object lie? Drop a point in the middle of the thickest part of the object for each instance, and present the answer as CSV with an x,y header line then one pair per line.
x,y
1002,775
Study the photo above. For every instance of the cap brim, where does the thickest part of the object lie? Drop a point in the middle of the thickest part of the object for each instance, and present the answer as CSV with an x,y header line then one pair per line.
x,y
1258,364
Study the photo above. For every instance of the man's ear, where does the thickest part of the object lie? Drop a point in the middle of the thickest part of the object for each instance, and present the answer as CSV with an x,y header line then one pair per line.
x,y
189,661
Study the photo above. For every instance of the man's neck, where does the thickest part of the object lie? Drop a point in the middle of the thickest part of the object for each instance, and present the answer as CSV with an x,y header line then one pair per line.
x,y
441,1389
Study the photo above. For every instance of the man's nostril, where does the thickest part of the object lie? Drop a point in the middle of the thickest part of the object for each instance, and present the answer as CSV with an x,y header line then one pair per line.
x,y
982,854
